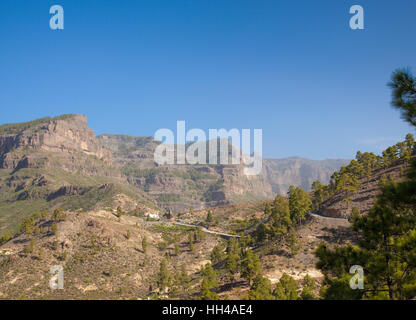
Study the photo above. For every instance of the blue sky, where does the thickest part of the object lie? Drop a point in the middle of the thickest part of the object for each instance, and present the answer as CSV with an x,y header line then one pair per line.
x,y
292,68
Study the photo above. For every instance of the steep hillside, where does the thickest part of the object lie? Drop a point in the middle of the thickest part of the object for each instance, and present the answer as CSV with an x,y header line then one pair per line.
x,y
67,136
180,186
358,183
56,162
341,203
102,255
52,162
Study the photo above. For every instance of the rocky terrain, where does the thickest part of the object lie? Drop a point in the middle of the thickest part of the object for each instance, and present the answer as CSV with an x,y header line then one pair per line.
x,y
48,161
178,187
340,205
22,144
59,162
113,195
102,254
300,172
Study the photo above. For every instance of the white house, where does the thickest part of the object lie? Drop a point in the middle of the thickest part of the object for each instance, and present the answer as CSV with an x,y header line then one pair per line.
x,y
153,216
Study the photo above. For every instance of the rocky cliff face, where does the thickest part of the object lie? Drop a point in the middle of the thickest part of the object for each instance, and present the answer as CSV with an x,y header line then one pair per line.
x,y
49,163
180,186
66,134
66,143
300,172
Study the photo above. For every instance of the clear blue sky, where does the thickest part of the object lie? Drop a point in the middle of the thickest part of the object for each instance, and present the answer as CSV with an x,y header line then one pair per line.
x,y
292,68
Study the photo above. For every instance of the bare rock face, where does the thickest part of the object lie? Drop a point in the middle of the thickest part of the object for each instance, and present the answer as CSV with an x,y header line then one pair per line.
x,y
65,134
179,187
72,135
282,173
7,143
237,183
66,144
67,191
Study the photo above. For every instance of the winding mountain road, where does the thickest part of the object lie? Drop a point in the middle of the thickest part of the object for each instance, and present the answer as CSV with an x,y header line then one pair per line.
x,y
224,235
228,236
314,215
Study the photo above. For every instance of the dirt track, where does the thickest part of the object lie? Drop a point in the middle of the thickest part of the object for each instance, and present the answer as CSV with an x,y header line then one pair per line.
x,y
224,235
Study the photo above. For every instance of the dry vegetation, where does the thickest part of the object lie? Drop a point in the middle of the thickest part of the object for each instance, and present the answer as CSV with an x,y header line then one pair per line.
x,y
103,258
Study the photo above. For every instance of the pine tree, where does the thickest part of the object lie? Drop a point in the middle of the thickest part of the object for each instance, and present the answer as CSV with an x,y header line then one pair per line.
x,y
383,181
309,286
163,276
217,254
191,241
261,289
233,246
210,218
180,284
59,215
320,193
355,214
261,233
292,242
403,85
286,288
267,209
27,226
209,282
5,238
387,250
280,217
232,260
185,279
54,229
30,247
144,244
45,214
176,246
36,216
250,266
199,235
300,203
119,212
231,264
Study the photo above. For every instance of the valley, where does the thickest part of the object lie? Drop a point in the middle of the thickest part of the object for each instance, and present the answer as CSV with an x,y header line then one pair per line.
x,y
123,227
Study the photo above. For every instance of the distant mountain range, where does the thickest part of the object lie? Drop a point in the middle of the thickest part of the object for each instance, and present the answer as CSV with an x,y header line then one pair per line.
x,y
59,161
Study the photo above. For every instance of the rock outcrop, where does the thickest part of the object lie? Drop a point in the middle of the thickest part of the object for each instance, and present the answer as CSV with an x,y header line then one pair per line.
x,y
67,143
179,187
66,134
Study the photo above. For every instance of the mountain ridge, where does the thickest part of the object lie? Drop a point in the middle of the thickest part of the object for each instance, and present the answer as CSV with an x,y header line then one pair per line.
x,y
59,161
